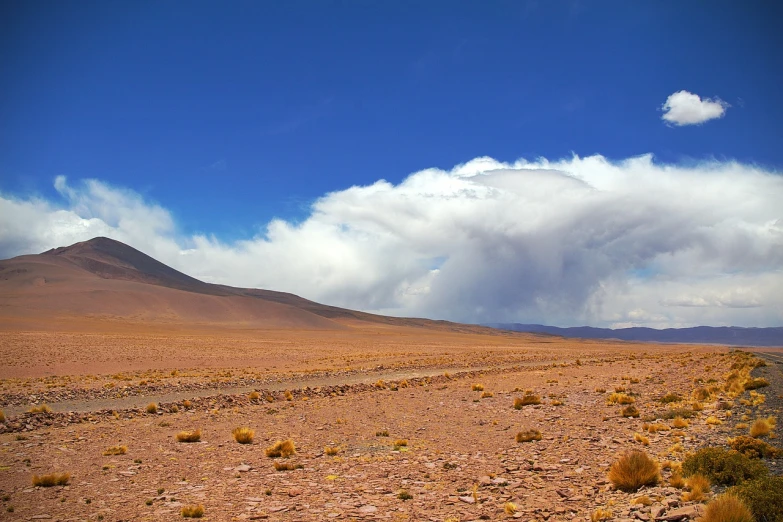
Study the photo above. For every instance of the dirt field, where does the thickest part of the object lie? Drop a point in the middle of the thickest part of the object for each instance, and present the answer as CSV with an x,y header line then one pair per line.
x,y
411,438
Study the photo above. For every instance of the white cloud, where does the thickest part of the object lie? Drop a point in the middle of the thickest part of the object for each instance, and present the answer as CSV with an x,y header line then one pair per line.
x,y
573,241
685,108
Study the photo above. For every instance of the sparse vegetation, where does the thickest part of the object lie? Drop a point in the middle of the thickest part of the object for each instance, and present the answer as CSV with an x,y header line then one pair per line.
x,y
630,411
284,448
509,508
254,396
671,397
633,470
404,495
679,422
713,421
116,450
400,443
764,497
192,511
698,485
2,416
382,433
189,436
152,408
761,428
43,408
286,466
721,466
600,514
331,450
288,395
753,448
478,387
527,399
243,435
620,398
676,481
754,384
52,479
486,395
727,508
528,435
638,437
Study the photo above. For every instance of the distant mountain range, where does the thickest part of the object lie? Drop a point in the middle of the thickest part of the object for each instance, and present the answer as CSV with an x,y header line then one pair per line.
x,y
726,335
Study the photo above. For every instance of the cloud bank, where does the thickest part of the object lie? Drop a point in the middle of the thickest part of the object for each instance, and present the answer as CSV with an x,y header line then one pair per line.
x,y
573,241
685,108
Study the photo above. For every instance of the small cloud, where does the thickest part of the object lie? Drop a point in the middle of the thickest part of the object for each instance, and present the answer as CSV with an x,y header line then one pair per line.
x,y
686,108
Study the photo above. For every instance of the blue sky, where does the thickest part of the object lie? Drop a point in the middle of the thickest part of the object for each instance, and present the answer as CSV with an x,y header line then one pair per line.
x,y
225,115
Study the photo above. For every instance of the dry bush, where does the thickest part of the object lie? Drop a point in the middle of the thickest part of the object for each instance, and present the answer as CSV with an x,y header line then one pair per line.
x,y
527,399
510,508
741,426
528,435
713,421
655,427
753,448
721,466
288,395
331,450
638,437
633,470
2,416
761,428
189,436
754,384
192,511
676,481
380,384
697,406
486,395
671,397
400,443
620,398
281,448
152,408
600,390
763,496
673,413
698,485
382,433
727,508
243,435
644,500
43,408
478,387
600,514
701,394
286,466
116,450
187,404
254,396
556,402
52,479
630,411
679,422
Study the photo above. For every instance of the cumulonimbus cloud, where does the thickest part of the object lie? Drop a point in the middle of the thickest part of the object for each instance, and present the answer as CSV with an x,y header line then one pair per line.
x,y
685,108
573,241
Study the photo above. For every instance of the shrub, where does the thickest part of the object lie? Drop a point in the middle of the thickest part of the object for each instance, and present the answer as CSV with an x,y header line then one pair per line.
x,y
753,448
633,470
43,408
526,400
600,514
187,404
509,508
630,411
754,384
644,500
679,422
713,421
404,495
676,481
620,398
284,448
763,496
288,395
400,443
486,395
478,387
727,508
701,394
382,433
697,486
116,450
720,466
243,435
761,428
671,397
331,450
655,427
685,413
52,479
286,466
189,436
254,396
192,511
152,408
528,435
638,437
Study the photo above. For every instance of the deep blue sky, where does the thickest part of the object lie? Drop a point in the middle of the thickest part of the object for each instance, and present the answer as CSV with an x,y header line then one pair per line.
x,y
230,113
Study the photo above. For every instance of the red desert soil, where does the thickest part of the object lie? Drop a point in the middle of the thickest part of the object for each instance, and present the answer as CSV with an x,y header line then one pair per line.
x,y
392,419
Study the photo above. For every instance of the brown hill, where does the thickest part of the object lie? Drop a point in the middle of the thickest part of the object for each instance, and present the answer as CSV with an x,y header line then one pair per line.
x,y
106,280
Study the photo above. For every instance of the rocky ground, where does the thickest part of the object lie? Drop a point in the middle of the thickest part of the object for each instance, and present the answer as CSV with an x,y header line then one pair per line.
x,y
407,447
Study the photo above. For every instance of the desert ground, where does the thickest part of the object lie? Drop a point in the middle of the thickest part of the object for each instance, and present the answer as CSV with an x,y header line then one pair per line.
x,y
388,423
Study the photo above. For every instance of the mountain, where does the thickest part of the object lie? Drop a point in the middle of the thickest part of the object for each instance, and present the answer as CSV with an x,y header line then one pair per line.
x,y
725,335
106,280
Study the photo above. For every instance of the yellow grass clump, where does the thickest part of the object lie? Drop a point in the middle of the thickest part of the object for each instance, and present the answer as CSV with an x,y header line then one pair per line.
x,y
620,398
400,443
52,479
727,508
761,428
189,436
243,435
526,400
679,422
486,395
192,511
284,448
331,450
600,514
633,470
644,500
638,437
477,387
152,408
43,408
187,404
655,427
630,411
509,508
254,396
116,450
676,481
288,395
713,421
286,466
528,435
698,485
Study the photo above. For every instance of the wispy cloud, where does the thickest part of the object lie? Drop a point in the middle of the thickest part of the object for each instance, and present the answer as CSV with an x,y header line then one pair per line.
x,y
685,108
577,240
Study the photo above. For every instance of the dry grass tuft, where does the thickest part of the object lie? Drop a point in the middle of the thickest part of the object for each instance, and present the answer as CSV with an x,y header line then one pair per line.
x,y
116,450
254,396
630,411
382,433
671,397
243,435
756,383
192,511
638,437
510,508
43,408
600,514
655,427
698,485
284,448
676,481
679,422
761,428
486,395
697,406
400,443
288,395
189,436
727,508
620,398
331,450
753,448
644,500
527,399
52,479
713,421
286,466
187,404
152,408
478,387
633,470
528,435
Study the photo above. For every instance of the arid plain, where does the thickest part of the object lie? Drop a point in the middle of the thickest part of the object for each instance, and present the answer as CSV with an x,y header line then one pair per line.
x,y
137,397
